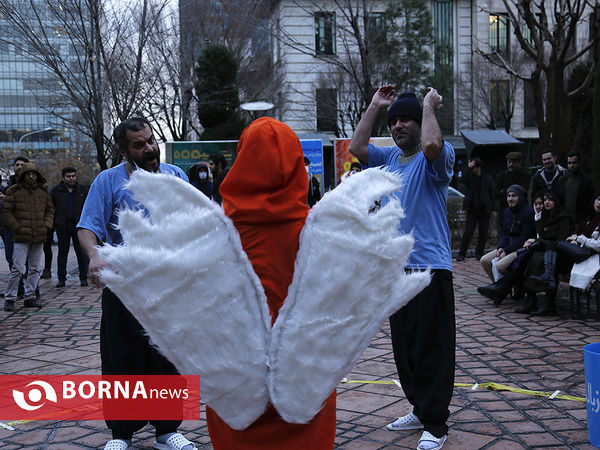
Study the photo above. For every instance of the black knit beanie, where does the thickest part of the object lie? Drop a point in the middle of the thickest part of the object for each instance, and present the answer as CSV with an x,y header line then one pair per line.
x,y
406,105
519,190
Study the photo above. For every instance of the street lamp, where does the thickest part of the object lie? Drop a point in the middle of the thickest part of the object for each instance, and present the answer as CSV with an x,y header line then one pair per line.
x,y
34,132
255,108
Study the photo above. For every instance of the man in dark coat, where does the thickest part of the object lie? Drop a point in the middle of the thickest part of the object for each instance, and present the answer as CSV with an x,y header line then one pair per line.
x,y
29,214
314,188
512,175
479,204
68,198
519,225
575,189
546,178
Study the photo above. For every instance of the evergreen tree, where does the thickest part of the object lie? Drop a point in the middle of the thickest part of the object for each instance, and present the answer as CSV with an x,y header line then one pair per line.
x,y
217,93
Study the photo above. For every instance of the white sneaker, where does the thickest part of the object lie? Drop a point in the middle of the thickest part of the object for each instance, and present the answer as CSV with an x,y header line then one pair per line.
x,y
175,442
117,444
429,442
407,422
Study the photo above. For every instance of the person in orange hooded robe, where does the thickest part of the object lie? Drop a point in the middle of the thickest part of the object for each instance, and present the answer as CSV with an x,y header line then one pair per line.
x,y
264,194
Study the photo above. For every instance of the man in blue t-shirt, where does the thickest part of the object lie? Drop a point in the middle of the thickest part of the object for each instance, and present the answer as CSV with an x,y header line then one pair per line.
x,y
423,332
124,345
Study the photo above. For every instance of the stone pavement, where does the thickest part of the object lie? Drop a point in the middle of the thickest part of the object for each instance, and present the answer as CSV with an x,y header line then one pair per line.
x,y
494,344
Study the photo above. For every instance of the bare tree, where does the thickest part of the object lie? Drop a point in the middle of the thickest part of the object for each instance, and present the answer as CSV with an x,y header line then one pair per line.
x,y
93,51
547,33
378,42
491,96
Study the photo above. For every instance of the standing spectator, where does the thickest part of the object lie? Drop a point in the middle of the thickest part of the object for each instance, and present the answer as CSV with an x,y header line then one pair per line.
x,y
545,179
200,178
29,214
423,332
218,167
8,234
480,206
575,189
513,174
124,345
68,198
314,188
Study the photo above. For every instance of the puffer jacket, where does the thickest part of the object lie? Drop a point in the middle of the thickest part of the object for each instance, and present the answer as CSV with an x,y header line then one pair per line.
x,y
28,209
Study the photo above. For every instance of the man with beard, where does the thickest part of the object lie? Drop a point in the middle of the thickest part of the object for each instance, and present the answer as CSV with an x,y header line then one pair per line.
x,y
513,174
423,332
518,226
124,345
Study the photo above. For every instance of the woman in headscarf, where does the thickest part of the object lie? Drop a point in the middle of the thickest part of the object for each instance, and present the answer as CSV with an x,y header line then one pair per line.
x,y
264,194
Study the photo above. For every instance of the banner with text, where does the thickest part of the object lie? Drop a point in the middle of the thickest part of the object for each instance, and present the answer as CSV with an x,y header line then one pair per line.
x,y
99,397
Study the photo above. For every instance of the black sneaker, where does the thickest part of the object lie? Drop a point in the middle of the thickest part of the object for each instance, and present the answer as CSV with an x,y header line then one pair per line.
x,y
460,258
9,305
60,283
32,303
46,274
84,282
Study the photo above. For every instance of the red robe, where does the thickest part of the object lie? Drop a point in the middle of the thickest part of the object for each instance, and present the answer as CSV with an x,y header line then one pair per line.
x,y
264,194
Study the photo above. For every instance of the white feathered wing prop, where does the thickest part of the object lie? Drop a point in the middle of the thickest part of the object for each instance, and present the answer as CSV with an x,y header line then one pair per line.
x,y
348,279
183,273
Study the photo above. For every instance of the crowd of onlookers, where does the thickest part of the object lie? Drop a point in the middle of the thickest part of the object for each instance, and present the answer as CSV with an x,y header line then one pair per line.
x,y
557,233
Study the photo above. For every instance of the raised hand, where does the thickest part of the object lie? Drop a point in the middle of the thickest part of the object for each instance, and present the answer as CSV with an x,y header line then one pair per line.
x,y
384,96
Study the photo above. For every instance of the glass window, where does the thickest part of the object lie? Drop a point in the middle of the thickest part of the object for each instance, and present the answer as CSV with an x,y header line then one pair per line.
x,y
499,41
529,116
325,33
326,109
499,102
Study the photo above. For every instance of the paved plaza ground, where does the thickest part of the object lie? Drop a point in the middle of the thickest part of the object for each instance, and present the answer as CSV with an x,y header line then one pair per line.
x,y
494,345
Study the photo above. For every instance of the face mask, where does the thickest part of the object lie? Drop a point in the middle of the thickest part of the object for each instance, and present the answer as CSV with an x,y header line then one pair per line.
x,y
203,175
307,169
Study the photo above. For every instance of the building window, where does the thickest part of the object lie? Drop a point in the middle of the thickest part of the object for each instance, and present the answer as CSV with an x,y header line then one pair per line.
x,y
499,41
529,116
499,103
326,109
376,30
325,33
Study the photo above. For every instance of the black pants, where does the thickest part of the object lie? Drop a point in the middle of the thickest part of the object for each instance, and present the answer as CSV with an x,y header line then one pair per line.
x,y
48,251
475,218
424,341
125,350
64,236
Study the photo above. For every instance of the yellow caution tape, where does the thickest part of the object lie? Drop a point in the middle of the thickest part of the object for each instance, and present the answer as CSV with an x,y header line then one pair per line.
x,y
489,386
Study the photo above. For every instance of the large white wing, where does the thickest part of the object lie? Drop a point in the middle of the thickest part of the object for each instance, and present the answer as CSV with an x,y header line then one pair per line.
x,y
348,278
183,274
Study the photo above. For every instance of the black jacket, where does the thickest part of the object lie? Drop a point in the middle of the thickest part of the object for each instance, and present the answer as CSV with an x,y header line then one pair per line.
x,y
518,226
486,190
314,191
585,192
59,195
540,185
